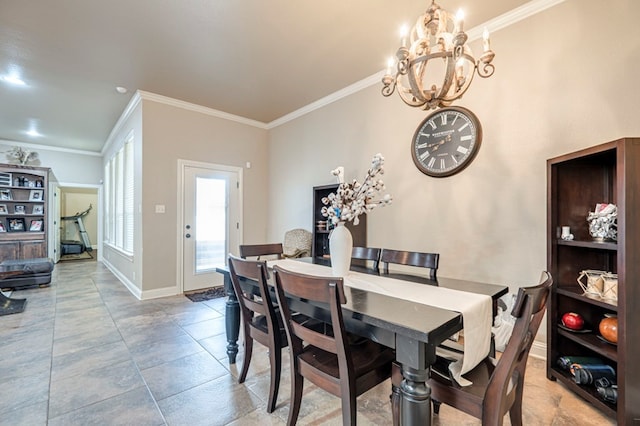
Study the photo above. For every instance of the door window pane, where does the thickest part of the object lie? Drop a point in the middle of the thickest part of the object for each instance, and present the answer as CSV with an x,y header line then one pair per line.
x,y
211,223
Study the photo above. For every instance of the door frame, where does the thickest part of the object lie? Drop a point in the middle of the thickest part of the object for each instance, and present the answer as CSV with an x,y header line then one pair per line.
x,y
98,208
182,164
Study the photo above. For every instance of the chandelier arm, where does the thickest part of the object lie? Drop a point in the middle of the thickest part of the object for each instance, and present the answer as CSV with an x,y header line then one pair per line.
x,y
485,69
389,85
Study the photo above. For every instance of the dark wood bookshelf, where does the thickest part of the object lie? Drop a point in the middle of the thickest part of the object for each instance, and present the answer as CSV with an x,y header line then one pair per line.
x,y
606,173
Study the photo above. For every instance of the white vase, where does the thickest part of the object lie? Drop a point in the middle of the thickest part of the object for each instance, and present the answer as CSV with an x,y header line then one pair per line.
x,y
340,245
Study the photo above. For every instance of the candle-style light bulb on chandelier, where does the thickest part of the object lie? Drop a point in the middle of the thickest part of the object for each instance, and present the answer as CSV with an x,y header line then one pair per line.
x,y
435,66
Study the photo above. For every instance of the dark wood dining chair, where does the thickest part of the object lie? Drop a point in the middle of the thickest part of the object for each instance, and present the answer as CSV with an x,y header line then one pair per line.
x,y
273,250
497,387
260,321
366,254
328,360
410,258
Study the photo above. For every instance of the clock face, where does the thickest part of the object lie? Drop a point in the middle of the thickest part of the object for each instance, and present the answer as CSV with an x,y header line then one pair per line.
x,y
446,141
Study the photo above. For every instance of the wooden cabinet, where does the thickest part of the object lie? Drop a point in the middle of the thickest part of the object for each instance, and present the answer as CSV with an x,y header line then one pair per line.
x,y
320,244
23,212
607,173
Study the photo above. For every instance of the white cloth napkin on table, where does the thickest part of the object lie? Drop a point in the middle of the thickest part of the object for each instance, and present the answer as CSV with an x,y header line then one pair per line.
x,y
476,309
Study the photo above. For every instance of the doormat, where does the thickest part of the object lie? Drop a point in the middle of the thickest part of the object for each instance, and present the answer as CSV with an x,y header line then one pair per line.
x,y
211,293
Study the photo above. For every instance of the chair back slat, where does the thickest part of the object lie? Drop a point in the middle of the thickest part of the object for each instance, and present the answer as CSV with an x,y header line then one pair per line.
x,y
259,250
315,338
410,258
367,254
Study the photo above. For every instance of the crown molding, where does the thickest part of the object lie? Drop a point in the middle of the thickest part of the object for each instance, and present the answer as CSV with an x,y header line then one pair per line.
x,y
342,93
147,96
49,148
131,106
515,15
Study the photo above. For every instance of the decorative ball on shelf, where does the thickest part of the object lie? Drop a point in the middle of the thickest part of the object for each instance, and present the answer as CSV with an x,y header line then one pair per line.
x,y
609,328
573,321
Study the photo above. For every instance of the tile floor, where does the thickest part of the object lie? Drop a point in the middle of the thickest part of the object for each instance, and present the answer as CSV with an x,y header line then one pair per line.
x,y
86,352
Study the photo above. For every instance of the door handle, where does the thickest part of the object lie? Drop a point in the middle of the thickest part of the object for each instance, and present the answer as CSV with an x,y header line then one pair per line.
x,y
188,235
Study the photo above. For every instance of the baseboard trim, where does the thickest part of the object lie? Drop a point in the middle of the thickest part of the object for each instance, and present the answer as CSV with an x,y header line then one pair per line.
x,y
538,350
159,292
128,284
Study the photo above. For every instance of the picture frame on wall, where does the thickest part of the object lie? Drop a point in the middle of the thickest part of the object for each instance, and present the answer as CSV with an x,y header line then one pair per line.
x,y
36,194
37,209
16,224
36,225
5,179
5,194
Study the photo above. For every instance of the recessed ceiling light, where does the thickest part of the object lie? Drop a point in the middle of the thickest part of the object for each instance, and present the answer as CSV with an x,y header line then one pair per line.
x,y
33,128
121,90
13,79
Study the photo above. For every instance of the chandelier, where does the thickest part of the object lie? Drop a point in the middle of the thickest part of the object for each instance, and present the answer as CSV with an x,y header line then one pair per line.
x,y
435,66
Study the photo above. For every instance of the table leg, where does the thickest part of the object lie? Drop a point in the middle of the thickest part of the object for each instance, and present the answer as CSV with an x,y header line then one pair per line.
x,y
415,405
232,320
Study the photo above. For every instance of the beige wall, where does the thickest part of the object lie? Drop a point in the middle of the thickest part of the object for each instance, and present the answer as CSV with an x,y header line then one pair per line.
x,y
565,79
172,133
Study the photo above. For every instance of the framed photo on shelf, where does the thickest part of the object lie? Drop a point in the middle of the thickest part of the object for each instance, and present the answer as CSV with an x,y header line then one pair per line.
x,y
36,194
37,209
16,224
2,228
36,225
19,209
5,194
3,209
5,179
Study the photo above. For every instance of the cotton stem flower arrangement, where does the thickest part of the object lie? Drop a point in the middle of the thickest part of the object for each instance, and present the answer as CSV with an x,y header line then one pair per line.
x,y
353,199
22,156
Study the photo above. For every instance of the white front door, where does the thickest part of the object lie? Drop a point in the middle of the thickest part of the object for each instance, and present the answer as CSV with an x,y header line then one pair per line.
x,y
211,223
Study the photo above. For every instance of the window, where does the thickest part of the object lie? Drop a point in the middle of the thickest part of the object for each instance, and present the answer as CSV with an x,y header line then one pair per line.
x,y
118,177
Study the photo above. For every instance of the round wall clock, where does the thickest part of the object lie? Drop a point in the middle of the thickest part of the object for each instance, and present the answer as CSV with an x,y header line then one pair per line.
x,y
446,141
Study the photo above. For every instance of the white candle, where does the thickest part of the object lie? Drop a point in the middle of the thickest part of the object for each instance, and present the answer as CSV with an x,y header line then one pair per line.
x,y
390,63
459,21
459,68
404,31
485,39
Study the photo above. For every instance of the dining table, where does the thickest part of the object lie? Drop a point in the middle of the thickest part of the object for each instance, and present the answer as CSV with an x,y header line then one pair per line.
x,y
413,328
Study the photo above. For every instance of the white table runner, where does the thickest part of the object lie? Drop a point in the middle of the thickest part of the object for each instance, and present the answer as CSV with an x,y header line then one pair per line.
x,y
476,309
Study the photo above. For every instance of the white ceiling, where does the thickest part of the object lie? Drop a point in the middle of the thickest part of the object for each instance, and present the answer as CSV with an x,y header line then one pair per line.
x,y
253,58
